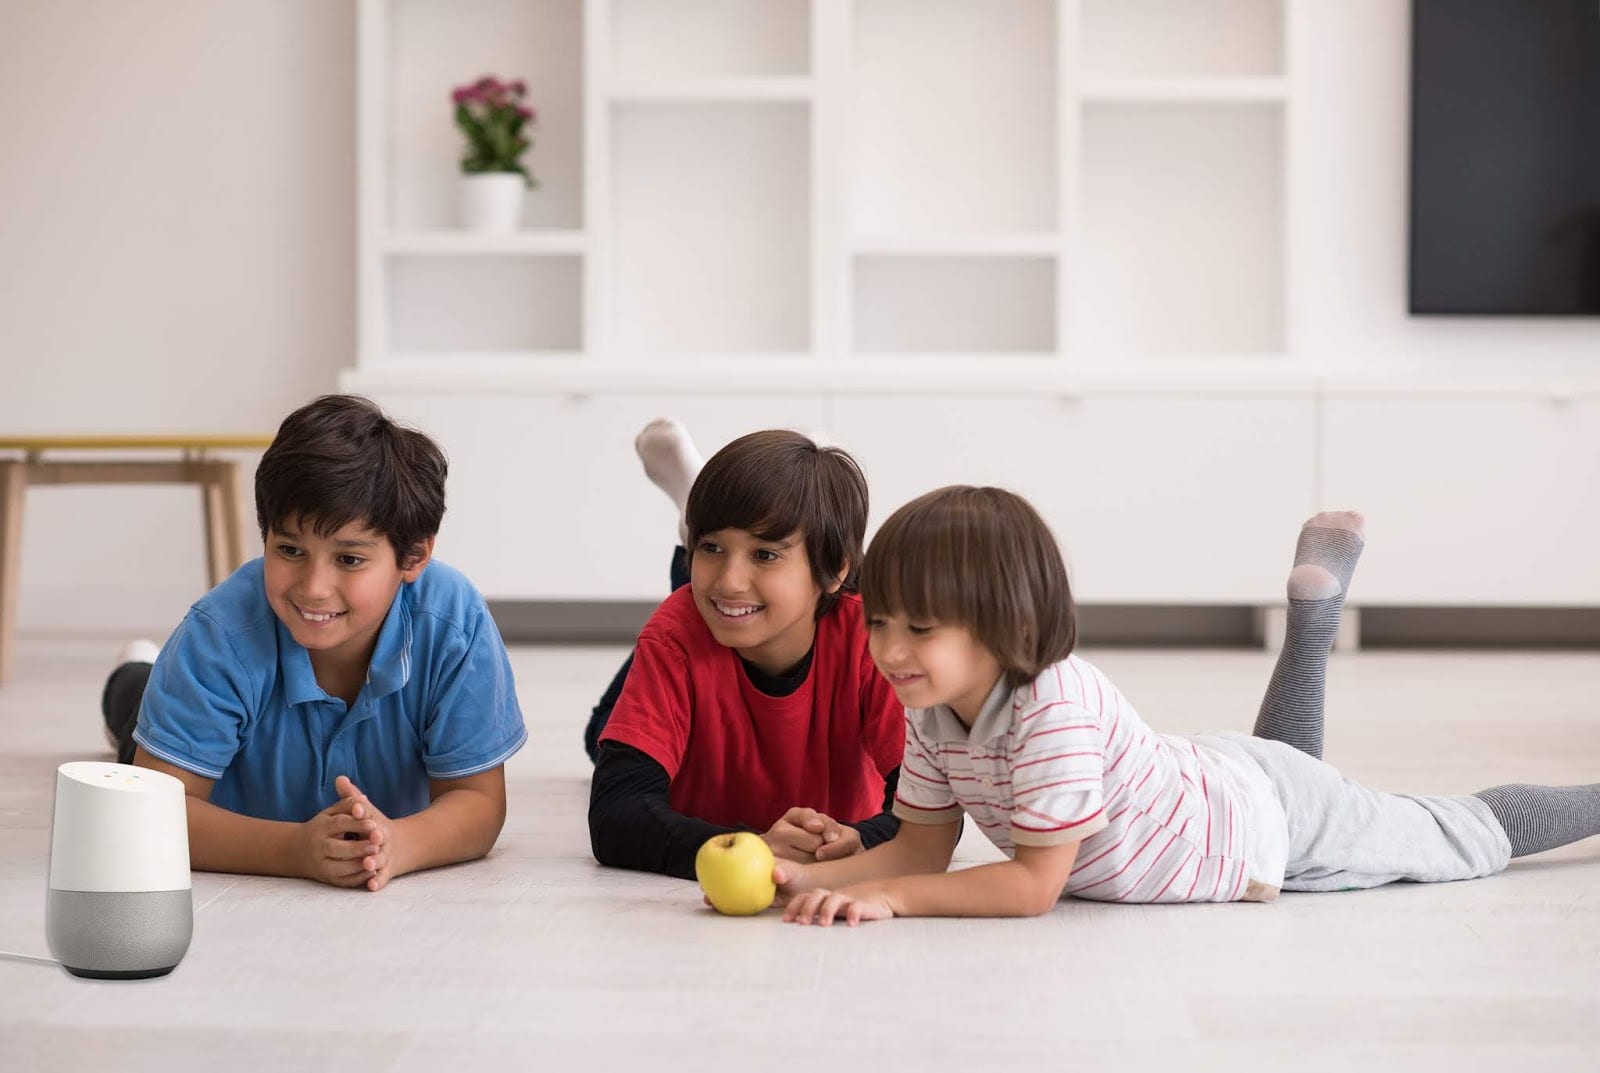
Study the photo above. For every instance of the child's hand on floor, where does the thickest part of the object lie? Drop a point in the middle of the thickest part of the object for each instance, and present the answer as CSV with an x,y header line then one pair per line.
x,y
335,844
853,905
802,832
379,863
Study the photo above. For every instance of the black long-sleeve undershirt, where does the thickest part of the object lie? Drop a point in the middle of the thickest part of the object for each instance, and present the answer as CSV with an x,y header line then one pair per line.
x,y
632,824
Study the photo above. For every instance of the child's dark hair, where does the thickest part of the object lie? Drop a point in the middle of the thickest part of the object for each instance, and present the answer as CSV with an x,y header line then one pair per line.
x,y
980,558
339,460
776,483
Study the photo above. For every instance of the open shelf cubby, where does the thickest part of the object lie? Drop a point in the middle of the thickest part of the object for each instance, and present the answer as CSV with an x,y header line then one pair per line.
x,y
434,47
664,40
445,305
1183,229
1181,39
956,304
711,242
953,113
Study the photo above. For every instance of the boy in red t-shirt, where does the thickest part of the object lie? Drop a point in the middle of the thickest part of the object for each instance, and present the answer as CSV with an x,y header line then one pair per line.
x,y
751,702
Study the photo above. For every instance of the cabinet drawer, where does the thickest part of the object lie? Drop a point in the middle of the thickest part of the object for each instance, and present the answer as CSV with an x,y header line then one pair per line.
x,y
1470,501
1154,499
547,500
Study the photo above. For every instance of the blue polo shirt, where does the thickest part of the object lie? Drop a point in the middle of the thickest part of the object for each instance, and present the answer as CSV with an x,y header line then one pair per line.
x,y
232,697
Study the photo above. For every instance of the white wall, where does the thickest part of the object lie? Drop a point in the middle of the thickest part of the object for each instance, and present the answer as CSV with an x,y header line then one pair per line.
x,y
177,230
1350,146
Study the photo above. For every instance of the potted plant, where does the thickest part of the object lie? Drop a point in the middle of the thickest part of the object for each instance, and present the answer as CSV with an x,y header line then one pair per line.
x,y
493,178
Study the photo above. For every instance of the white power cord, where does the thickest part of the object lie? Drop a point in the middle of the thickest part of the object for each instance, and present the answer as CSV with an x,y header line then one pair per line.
x,y
14,956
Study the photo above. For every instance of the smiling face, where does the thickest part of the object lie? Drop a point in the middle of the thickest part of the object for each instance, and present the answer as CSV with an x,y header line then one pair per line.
x,y
931,663
758,596
333,592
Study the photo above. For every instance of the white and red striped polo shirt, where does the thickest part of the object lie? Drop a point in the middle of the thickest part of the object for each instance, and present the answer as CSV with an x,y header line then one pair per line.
x,y
1066,758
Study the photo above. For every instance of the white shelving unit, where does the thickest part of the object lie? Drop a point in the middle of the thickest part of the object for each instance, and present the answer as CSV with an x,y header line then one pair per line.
x,y
1165,39
429,291
710,236
1038,243
1080,181
711,90
1019,244
1185,90
838,214
460,243
696,39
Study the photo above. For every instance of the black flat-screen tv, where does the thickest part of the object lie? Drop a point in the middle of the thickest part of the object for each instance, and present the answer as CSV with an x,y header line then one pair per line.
x,y
1505,157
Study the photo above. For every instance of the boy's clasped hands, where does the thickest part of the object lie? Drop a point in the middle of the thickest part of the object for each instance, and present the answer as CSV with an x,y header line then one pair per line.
x,y
805,835
351,843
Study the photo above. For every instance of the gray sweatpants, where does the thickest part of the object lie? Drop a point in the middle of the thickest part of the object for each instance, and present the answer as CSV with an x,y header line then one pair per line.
x,y
1344,836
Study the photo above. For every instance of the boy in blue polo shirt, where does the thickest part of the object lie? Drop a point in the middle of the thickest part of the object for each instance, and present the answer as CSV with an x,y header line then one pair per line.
x,y
342,708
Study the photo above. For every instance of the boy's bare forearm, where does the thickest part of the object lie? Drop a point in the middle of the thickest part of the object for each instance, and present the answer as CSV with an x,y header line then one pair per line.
x,y
459,825
896,857
224,841
1001,889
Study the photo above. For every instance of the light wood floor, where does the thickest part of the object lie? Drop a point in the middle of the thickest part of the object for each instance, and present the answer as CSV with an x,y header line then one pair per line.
x,y
538,957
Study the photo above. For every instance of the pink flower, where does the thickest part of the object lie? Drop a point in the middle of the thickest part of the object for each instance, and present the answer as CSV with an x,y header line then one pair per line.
x,y
525,113
462,94
519,87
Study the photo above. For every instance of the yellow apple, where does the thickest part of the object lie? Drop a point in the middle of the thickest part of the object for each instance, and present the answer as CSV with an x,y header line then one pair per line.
x,y
735,871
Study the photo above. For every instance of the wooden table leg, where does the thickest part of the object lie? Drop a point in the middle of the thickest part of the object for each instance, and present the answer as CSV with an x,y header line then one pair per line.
x,y
214,511
13,483
233,519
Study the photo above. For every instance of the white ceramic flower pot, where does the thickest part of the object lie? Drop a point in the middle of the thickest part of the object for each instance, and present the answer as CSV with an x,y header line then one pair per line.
x,y
491,204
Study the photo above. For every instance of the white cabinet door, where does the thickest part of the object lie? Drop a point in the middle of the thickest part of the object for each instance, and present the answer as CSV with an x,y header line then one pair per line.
x,y
547,500
1155,500
1470,501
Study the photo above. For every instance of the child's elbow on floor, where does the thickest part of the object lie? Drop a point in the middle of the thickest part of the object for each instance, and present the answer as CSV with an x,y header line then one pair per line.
x,y
1042,899
1042,906
603,847
597,846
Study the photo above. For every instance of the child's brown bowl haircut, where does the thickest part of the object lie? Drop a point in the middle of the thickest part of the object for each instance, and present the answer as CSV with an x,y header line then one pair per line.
x,y
777,483
980,558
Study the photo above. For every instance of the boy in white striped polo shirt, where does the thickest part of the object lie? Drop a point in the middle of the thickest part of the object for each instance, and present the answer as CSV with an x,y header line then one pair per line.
x,y
971,619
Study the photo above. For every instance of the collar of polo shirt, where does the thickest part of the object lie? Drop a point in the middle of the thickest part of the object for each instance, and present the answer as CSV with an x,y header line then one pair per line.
x,y
940,723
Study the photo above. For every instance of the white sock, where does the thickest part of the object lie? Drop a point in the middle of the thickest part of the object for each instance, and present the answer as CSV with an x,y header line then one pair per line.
x,y
671,462
139,651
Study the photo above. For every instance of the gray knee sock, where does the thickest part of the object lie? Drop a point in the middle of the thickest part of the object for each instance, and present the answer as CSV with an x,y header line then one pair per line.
x,y
1537,818
1324,560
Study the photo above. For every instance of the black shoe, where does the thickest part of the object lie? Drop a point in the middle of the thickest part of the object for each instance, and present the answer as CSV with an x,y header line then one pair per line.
x,y
119,702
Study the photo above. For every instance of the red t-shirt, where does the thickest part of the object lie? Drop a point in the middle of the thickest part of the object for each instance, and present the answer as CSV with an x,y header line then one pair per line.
x,y
737,757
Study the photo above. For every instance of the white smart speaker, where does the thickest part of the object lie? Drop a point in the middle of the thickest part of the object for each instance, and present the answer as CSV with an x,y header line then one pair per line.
x,y
119,903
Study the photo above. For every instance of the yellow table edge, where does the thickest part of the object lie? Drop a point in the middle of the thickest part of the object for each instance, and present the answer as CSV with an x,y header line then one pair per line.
x,y
131,443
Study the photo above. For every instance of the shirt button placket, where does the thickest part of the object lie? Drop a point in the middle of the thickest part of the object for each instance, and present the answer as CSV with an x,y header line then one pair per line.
x,y
340,759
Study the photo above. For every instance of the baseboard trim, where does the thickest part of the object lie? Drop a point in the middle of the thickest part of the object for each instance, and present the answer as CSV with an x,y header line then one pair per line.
x,y
154,610
618,622
570,622
1468,627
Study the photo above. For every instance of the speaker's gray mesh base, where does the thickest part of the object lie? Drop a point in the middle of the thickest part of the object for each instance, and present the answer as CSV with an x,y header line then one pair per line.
x,y
119,935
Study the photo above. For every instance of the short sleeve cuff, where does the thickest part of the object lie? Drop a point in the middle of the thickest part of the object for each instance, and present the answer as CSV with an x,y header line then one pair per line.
x,y
460,769
174,756
916,814
647,745
1058,836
